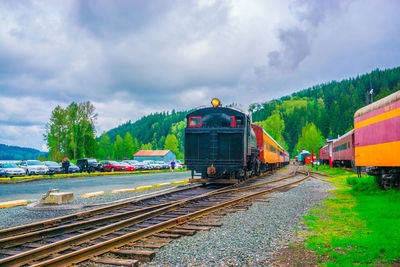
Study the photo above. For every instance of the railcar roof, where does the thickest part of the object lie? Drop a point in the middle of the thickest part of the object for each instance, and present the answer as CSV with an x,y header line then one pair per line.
x,y
343,136
215,110
378,104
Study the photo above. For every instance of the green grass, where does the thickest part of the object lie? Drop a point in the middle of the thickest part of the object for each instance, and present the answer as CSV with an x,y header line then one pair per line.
x,y
360,225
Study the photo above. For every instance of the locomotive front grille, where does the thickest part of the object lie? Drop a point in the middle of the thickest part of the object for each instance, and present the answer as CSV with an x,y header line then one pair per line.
x,y
196,147
214,147
230,146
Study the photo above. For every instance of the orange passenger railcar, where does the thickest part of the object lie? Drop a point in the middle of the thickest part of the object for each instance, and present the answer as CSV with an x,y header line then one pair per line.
x,y
272,155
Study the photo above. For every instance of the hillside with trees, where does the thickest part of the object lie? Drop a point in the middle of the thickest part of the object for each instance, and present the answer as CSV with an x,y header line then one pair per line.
x,y
328,107
19,153
302,120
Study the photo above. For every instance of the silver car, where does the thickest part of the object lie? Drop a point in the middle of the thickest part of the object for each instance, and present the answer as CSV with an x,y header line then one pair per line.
x,y
12,170
33,167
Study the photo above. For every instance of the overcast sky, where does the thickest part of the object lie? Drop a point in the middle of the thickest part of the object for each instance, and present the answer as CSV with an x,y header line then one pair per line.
x,y
131,58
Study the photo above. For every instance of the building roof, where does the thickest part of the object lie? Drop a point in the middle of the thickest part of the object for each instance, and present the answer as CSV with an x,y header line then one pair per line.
x,y
144,153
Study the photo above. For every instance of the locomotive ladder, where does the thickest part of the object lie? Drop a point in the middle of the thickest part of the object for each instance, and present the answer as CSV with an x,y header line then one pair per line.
x,y
213,145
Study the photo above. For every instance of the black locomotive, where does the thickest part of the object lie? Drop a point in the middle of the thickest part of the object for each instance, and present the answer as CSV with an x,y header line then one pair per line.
x,y
220,144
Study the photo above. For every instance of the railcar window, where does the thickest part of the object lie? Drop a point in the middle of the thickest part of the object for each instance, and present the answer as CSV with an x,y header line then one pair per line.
x,y
272,148
341,147
194,121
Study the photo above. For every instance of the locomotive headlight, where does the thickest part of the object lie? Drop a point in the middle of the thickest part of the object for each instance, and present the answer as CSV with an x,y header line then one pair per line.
x,y
215,102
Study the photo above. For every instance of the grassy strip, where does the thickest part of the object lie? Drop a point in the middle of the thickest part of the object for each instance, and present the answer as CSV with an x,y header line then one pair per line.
x,y
359,225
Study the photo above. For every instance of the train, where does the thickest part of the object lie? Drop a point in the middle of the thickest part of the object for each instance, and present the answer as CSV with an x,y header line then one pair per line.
x,y
222,144
373,144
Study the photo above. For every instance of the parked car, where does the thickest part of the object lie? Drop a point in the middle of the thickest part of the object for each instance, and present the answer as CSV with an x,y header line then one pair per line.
x,y
147,166
138,165
128,167
54,167
11,170
111,166
73,168
153,164
33,167
2,172
90,165
180,163
163,164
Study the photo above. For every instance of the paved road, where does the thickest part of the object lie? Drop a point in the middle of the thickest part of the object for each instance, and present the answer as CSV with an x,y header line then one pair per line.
x,y
34,190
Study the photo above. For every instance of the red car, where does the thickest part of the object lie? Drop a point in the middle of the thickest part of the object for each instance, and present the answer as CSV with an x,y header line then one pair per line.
x,y
128,167
112,166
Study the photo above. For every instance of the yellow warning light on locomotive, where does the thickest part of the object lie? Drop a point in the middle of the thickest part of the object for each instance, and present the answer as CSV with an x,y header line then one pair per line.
x,y
215,102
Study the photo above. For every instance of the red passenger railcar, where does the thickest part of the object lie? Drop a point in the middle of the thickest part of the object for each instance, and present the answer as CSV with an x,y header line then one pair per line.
x,y
324,154
343,150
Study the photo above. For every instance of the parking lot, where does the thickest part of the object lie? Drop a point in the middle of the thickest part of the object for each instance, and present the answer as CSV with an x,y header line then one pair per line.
x,y
34,190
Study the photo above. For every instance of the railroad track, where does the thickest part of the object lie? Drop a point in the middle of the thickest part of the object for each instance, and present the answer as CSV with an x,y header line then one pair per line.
x,y
72,241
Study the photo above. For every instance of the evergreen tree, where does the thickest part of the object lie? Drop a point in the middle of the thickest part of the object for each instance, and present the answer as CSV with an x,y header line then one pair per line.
x,y
105,147
119,148
136,146
128,146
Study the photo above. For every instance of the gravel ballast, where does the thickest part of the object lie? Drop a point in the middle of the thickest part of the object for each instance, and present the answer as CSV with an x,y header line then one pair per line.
x,y
247,238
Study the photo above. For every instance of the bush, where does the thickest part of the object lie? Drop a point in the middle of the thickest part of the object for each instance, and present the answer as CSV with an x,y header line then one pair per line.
x,y
363,184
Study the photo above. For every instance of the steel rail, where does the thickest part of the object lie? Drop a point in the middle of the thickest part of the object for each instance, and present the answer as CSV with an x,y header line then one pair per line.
x,y
81,215
53,231
45,250
52,223
100,248
21,234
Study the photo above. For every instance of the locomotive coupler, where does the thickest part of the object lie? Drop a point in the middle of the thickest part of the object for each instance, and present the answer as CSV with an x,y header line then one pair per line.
x,y
211,170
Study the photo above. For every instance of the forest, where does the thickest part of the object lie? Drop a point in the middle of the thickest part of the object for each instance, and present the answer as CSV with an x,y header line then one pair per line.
x,y
329,108
19,153
304,119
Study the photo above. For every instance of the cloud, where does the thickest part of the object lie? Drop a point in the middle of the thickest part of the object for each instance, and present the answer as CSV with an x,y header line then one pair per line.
x,y
131,58
296,47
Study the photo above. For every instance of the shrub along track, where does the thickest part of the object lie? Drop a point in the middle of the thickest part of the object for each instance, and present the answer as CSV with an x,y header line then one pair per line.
x,y
73,240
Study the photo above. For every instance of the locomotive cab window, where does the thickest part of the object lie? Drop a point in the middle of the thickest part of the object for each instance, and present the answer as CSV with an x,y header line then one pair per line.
x,y
233,121
238,121
194,121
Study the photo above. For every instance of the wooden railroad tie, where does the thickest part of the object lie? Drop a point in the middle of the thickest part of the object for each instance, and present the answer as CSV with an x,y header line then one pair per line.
x,y
180,232
130,263
261,200
146,245
203,223
194,228
157,240
165,235
141,255
235,209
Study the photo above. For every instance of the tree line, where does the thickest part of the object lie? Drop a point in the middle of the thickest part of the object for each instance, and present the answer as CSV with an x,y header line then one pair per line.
x,y
301,120
322,111
71,133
